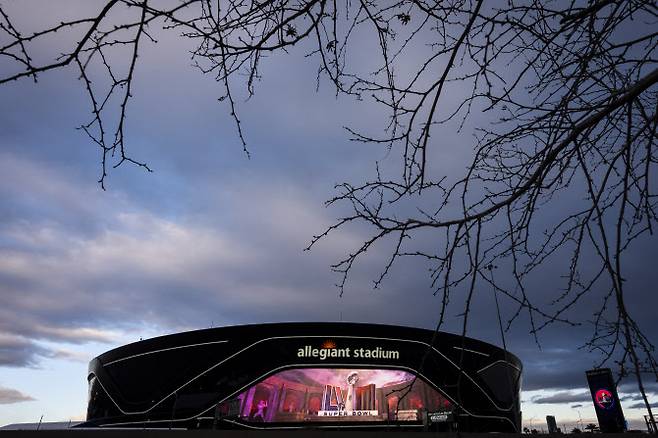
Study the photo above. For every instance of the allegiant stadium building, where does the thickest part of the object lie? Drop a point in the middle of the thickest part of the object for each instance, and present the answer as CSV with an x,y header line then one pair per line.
x,y
307,375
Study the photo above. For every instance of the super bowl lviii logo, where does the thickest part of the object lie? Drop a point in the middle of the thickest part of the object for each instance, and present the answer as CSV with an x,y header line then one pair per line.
x,y
604,399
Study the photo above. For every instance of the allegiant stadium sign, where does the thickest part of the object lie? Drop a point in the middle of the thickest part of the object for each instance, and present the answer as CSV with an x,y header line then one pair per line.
x,y
325,353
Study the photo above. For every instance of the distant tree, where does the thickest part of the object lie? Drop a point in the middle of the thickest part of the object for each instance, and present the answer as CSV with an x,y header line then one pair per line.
x,y
563,161
576,430
591,427
526,430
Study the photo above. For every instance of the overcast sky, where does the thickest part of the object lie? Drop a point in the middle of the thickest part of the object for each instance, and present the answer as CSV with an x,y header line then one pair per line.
x,y
211,238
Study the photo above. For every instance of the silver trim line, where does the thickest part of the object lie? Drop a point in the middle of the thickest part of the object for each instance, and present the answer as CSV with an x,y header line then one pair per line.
x,y
161,350
471,351
498,361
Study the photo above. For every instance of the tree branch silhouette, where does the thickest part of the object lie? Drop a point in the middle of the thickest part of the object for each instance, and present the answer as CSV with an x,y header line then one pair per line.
x,y
562,98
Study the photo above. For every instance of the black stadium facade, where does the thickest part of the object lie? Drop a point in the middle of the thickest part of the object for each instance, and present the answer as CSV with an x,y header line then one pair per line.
x,y
307,375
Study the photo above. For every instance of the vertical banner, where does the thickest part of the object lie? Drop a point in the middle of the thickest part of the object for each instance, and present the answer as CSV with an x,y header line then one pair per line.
x,y
606,401
552,425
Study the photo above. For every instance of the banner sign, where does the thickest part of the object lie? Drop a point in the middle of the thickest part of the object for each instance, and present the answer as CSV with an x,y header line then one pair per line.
x,y
606,401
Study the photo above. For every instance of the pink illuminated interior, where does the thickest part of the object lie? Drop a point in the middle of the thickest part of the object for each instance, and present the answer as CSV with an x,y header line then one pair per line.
x,y
340,394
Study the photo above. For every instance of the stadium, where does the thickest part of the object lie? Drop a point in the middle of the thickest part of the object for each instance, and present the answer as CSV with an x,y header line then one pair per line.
x,y
307,375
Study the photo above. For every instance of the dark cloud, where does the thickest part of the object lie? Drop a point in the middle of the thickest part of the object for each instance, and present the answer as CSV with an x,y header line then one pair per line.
x,y
9,396
101,263
631,397
562,398
643,406
17,351
558,368
135,266
629,385
20,351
